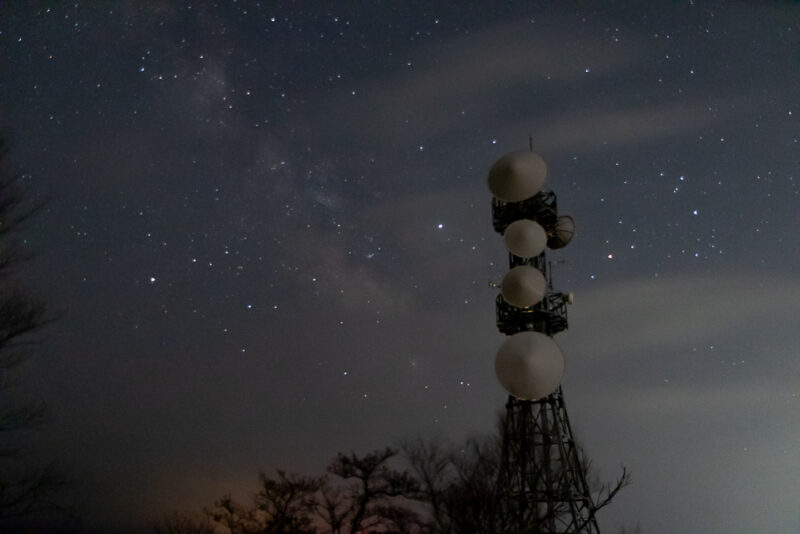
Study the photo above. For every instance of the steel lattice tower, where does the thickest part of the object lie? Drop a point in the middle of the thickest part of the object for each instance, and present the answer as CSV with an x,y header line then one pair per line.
x,y
541,480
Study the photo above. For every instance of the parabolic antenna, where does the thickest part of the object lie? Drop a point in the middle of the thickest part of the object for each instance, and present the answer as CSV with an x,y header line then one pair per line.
x,y
529,365
562,232
517,175
523,286
525,238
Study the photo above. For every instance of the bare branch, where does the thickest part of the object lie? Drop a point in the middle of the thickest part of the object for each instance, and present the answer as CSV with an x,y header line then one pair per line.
x,y
608,491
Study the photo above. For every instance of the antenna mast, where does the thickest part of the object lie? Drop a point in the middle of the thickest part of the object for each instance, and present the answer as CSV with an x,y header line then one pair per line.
x,y
541,482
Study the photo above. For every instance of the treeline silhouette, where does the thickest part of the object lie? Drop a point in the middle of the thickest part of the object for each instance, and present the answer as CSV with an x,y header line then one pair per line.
x,y
423,487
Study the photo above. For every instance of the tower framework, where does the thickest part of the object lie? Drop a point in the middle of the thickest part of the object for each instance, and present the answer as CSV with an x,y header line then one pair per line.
x,y
542,476
542,472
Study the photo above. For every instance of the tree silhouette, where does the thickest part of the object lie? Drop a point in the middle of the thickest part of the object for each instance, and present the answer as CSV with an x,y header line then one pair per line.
x,y
460,491
375,483
287,502
230,514
25,491
333,508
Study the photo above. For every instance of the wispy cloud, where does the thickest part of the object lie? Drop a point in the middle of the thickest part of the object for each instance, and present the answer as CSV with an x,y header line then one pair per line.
x,y
711,400
521,75
626,318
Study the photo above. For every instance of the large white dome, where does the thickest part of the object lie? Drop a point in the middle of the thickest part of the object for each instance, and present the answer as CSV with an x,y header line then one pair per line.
x,y
529,365
517,175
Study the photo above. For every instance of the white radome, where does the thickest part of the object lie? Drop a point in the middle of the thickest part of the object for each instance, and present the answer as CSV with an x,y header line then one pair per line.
x,y
523,286
517,175
525,238
563,232
529,365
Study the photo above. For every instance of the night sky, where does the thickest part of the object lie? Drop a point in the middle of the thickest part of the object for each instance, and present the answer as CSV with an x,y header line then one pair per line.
x,y
269,233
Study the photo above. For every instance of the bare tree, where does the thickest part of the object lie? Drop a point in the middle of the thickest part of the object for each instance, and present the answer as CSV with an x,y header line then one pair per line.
x,y
604,492
475,489
374,482
459,487
334,508
235,517
26,491
432,464
287,502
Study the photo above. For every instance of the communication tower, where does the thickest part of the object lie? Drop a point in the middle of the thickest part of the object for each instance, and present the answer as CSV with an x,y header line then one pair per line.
x,y
541,476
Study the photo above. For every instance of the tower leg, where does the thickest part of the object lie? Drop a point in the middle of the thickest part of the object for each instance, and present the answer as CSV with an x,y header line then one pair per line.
x,y
541,476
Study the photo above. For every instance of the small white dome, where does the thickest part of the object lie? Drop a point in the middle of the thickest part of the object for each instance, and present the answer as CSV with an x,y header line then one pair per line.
x,y
523,286
525,238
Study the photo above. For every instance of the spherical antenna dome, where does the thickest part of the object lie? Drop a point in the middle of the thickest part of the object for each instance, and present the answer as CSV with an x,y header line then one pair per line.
x,y
525,238
529,365
523,286
563,232
517,175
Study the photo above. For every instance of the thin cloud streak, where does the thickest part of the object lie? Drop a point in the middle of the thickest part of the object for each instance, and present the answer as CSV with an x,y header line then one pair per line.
x,y
630,317
673,400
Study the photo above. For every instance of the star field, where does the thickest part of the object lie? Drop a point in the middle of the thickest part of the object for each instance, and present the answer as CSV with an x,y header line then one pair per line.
x,y
270,236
